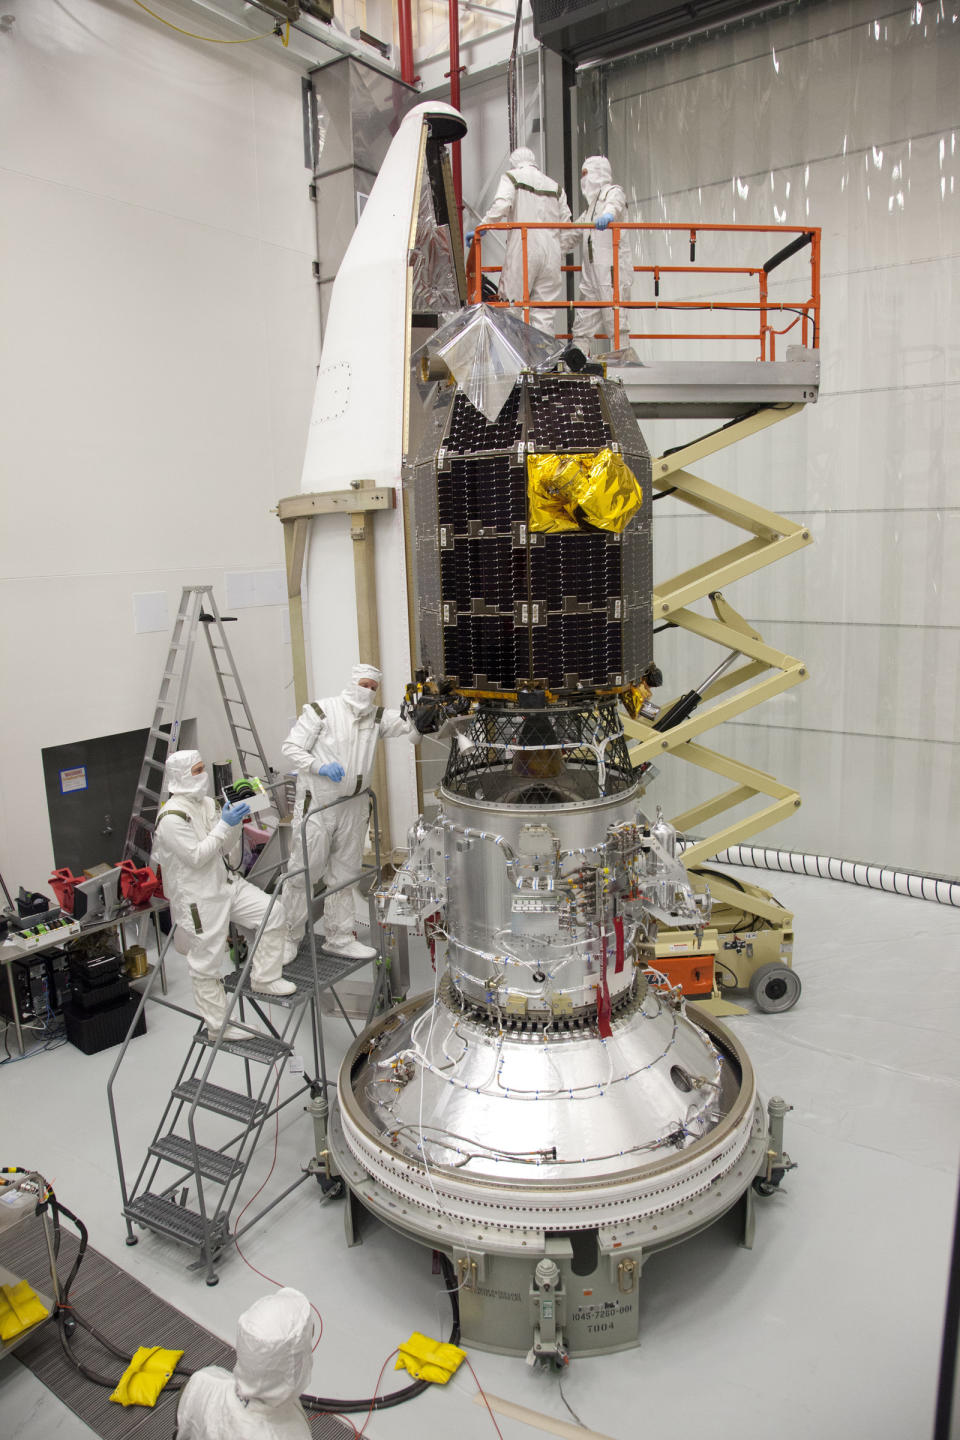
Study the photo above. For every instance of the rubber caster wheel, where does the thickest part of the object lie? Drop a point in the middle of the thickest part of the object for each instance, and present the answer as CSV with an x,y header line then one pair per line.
x,y
133,1240
763,1186
775,988
333,1187
213,1280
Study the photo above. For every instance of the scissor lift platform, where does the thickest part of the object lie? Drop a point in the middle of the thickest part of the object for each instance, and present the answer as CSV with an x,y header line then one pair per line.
x,y
718,389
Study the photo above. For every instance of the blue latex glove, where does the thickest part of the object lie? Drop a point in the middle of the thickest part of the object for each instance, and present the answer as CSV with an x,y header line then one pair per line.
x,y
333,771
604,220
235,813
468,238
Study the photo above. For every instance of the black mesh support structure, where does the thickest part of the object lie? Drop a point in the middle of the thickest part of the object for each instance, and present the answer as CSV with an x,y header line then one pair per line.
x,y
504,609
548,755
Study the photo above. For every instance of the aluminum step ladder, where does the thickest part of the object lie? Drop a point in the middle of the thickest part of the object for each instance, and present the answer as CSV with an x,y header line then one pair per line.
x,y
198,607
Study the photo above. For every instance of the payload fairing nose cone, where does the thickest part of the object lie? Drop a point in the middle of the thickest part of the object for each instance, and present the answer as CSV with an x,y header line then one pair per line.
x,y
551,1112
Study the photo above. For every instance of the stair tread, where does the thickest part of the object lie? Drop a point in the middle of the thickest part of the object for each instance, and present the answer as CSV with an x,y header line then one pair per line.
x,y
231,1103
214,1164
265,1049
159,1213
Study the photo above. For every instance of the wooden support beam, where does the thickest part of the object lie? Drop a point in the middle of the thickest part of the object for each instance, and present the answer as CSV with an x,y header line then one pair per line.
x,y
296,513
295,544
368,637
364,495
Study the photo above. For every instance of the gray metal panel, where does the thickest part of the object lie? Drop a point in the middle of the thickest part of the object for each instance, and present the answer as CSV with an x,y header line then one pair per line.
x,y
637,560
430,409
719,388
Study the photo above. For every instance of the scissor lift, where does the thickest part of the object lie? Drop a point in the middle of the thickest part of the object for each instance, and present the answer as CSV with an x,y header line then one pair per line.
x,y
747,396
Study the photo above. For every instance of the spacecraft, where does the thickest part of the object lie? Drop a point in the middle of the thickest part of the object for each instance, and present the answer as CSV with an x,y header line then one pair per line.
x,y
553,1111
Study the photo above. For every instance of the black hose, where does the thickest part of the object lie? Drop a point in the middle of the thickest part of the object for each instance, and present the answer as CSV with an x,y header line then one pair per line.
x,y
81,1249
91,1375
397,1397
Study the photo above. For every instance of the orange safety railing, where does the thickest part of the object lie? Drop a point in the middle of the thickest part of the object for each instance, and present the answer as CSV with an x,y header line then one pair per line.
x,y
805,311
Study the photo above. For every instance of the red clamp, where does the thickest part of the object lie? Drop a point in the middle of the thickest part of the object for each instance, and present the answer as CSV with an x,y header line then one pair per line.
x,y
61,883
138,885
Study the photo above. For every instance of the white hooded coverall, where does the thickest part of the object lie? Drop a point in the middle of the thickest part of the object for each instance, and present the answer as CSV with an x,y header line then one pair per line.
x,y
525,193
260,1399
191,845
343,729
596,264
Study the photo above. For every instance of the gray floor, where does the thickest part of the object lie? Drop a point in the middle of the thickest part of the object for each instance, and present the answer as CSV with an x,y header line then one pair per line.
x,y
829,1327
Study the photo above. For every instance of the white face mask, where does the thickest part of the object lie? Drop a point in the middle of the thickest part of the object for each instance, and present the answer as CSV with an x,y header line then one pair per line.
x,y
590,187
359,696
195,786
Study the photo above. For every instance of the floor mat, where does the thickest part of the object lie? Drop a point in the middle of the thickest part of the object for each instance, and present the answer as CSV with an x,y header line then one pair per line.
x,y
128,1314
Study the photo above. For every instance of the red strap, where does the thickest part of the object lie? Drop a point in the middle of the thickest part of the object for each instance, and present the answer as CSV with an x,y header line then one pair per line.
x,y
621,954
603,997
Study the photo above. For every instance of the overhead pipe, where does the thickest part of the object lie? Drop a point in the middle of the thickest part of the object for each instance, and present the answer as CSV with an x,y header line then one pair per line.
x,y
454,78
405,26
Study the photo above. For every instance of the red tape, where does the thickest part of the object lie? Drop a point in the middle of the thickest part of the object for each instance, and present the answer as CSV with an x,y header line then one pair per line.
x,y
603,998
621,952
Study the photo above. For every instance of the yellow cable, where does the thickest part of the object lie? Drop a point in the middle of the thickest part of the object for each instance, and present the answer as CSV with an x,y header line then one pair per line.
x,y
210,40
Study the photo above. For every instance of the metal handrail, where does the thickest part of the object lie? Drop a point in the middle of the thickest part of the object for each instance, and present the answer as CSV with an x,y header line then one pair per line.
x,y
372,871
806,311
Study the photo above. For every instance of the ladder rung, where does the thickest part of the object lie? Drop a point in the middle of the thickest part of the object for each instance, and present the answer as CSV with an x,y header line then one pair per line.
x,y
220,1101
150,794
212,1163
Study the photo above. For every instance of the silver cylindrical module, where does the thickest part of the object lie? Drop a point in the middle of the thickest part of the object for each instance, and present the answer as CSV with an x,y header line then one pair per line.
x,y
525,914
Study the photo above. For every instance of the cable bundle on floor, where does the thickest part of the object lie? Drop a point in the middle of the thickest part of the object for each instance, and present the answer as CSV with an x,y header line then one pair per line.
x,y
920,886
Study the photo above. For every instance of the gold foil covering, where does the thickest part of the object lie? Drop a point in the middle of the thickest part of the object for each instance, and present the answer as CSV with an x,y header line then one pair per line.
x,y
581,492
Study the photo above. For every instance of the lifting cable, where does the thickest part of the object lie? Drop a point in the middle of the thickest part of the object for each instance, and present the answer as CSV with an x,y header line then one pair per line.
x,y
211,39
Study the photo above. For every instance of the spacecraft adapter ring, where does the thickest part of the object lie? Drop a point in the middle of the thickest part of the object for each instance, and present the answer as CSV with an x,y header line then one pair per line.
x,y
646,1189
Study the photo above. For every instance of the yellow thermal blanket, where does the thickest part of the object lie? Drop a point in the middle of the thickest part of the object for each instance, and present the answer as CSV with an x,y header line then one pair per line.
x,y
575,492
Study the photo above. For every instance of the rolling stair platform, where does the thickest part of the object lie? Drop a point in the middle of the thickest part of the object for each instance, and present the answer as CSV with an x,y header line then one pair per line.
x,y
188,1185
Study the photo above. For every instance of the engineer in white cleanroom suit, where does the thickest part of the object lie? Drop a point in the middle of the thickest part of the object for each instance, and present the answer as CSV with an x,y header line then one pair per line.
x,y
525,193
259,1400
606,204
191,845
332,748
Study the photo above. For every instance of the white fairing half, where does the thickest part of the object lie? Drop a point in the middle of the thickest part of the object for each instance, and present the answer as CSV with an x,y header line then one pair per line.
x,y
357,433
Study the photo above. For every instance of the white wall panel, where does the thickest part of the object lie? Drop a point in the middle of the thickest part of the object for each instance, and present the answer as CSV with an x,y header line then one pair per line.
x,y
157,363
901,795
860,450
838,116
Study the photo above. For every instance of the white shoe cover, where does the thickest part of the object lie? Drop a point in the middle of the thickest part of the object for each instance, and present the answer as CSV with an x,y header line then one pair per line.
x,y
232,1032
350,949
272,987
